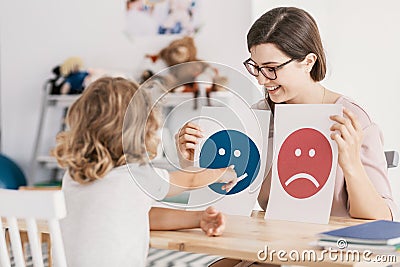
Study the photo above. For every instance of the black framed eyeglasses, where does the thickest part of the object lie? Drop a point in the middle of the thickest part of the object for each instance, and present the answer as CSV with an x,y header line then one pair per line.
x,y
268,72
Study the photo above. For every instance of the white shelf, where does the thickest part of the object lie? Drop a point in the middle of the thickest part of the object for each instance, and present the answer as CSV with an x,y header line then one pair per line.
x,y
51,163
62,100
48,162
173,99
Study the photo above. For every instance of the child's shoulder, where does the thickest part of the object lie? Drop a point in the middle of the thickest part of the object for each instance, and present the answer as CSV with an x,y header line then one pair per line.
x,y
153,181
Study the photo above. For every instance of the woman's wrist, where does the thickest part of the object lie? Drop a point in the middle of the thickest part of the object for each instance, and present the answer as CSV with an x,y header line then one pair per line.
x,y
354,170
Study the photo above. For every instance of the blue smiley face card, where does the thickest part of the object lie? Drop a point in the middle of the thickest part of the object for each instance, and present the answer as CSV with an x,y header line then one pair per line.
x,y
237,138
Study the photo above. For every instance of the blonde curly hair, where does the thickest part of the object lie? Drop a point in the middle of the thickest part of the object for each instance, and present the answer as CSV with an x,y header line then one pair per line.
x,y
111,124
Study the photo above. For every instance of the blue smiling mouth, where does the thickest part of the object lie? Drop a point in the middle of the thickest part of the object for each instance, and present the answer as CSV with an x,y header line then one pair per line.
x,y
241,177
231,147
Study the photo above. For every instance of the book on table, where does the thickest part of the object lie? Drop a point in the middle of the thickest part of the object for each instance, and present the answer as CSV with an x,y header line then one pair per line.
x,y
377,249
377,236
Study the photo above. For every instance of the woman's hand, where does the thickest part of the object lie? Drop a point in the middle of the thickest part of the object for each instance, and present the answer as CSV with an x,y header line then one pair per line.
x,y
186,140
212,222
349,137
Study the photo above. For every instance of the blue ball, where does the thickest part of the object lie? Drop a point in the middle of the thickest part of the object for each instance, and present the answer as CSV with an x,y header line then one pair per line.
x,y
11,176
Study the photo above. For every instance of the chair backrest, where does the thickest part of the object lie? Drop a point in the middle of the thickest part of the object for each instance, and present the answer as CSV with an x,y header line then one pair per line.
x,y
392,158
32,208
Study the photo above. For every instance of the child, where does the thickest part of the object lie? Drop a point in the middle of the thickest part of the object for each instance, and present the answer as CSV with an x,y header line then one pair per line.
x,y
108,212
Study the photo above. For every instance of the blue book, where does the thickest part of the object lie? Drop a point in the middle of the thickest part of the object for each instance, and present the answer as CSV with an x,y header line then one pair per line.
x,y
379,232
375,248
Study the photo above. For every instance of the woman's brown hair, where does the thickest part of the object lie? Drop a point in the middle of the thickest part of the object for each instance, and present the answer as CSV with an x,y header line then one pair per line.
x,y
294,32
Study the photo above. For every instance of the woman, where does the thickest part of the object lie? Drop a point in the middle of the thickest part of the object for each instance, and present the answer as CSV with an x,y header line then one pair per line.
x,y
287,58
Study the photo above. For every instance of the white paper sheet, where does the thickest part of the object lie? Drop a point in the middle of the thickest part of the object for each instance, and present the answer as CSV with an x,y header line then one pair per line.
x,y
238,137
304,163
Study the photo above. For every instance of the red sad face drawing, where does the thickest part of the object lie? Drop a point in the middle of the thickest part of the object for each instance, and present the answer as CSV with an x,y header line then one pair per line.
x,y
304,163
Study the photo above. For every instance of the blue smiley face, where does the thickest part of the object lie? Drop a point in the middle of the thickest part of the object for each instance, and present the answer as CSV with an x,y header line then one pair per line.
x,y
231,147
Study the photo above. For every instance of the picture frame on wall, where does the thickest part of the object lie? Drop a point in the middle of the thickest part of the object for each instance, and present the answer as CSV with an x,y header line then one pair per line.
x,y
162,17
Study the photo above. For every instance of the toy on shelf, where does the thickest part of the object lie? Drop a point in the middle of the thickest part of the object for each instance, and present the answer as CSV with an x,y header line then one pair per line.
x,y
57,82
146,74
75,77
69,77
199,77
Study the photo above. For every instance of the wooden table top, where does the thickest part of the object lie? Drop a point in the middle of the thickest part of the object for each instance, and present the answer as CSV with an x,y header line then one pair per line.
x,y
244,237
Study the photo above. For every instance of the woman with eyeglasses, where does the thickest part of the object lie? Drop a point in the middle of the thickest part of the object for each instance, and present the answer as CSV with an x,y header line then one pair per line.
x,y
287,58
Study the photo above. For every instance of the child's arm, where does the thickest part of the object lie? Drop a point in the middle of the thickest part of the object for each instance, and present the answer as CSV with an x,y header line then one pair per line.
x,y
211,221
193,178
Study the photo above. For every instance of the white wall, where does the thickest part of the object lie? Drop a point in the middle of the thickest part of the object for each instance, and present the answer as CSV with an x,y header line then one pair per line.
x,y
362,41
37,35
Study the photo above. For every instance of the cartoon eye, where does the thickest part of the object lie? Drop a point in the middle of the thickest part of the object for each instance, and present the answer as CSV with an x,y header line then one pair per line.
x,y
297,152
221,151
311,152
237,153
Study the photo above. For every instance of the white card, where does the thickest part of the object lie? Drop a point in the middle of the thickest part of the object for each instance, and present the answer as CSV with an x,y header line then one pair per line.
x,y
238,137
304,163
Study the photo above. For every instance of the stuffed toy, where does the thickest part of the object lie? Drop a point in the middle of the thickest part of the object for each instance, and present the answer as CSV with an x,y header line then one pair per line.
x,y
146,74
199,77
57,82
75,77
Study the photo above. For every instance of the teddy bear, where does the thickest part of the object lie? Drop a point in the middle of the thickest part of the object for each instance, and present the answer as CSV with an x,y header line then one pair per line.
x,y
199,77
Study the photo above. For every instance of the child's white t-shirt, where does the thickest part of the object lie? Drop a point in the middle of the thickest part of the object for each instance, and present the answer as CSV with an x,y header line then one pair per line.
x,y
107,221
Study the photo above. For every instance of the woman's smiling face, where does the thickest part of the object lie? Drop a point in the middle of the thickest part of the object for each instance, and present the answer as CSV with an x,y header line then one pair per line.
x,y
289,78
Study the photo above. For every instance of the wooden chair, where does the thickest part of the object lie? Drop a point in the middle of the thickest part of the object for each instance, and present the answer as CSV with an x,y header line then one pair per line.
x,y
32,209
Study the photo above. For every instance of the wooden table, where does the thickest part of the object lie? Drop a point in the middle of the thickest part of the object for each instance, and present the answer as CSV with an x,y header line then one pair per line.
x,y
246,237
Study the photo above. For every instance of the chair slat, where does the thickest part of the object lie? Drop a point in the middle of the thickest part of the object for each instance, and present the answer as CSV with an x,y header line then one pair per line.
x,y
32,209
57,244
36,248
16,242
4,257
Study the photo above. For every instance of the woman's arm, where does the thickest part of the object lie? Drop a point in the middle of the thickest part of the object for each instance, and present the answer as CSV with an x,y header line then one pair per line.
x,y
211,221
364,200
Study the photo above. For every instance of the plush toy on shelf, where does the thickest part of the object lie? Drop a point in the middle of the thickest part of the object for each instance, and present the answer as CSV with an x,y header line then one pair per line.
x,y
198,77
74,76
